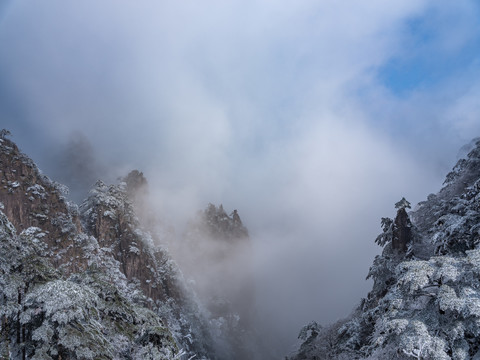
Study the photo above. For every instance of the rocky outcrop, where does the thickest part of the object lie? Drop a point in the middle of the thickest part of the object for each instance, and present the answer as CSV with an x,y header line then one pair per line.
x,y
216,254
101,245
31,199
109,216
62,294
218,225
425,297
464,175
402,234
137,186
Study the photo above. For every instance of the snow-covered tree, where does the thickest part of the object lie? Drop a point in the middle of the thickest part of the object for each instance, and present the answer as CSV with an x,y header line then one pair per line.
x,y
425,303
4,133
402,204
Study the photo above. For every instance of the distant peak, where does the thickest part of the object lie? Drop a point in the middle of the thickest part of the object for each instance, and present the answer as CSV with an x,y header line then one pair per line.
x,y
136,183
222,225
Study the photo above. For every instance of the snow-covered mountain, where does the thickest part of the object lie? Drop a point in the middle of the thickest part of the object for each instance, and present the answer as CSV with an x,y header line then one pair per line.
x,y
425,300
96,281
91,281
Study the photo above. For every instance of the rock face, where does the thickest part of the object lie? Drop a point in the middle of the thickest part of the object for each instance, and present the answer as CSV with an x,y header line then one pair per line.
x,y
32,199
92,314
426,289
28,196
109,216
88,283
402,235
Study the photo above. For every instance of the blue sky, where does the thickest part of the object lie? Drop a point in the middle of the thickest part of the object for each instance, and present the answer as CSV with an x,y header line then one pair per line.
x,y
306,116
427,59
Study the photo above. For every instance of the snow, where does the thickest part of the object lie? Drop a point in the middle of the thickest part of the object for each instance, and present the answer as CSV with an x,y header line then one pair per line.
x,y
110,214
134,249
424,304
37,191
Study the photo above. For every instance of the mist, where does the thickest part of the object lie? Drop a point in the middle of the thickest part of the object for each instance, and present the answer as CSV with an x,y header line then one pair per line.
x,y
310,118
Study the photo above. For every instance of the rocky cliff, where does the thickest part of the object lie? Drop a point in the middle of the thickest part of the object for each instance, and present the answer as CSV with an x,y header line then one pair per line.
x,y
108,215
31,199
86,283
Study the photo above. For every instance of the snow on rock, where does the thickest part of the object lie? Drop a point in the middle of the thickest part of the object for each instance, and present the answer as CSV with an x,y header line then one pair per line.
x,y
425,303
97,290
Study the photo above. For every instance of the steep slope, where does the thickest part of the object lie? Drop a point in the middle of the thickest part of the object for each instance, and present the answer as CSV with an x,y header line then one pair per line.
x,y
98,291
32,199
108,215
88,315
425,301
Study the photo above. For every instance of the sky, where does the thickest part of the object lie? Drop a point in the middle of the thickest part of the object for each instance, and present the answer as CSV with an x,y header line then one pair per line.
x,y
312,118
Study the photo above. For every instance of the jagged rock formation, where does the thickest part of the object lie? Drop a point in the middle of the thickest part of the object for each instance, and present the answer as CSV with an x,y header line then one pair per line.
x,y
32,199
108,215
93,314
402,233
137,186
425,300
216,255
88,284
138,192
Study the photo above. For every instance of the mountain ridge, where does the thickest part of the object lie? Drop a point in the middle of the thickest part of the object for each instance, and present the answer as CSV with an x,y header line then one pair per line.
x,y
425,299
136,301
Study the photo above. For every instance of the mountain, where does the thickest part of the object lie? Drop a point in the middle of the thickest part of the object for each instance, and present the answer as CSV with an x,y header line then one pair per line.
x,y
425,300
96,281
88,281
216,254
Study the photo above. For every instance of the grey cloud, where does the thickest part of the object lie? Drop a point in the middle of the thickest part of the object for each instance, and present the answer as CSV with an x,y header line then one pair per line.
x,y
272,108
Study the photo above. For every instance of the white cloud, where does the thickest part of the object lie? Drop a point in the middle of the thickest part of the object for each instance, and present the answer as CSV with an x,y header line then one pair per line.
x,y
271,107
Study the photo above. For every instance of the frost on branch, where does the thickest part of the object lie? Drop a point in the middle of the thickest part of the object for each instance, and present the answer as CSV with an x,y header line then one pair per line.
x,y
425,301
4,133
309,331
386,236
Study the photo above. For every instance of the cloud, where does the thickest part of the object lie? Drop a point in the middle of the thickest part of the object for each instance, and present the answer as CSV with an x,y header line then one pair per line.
x,y
290,112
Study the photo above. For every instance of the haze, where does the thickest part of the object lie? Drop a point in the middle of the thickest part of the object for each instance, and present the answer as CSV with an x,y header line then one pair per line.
x,y
312,118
